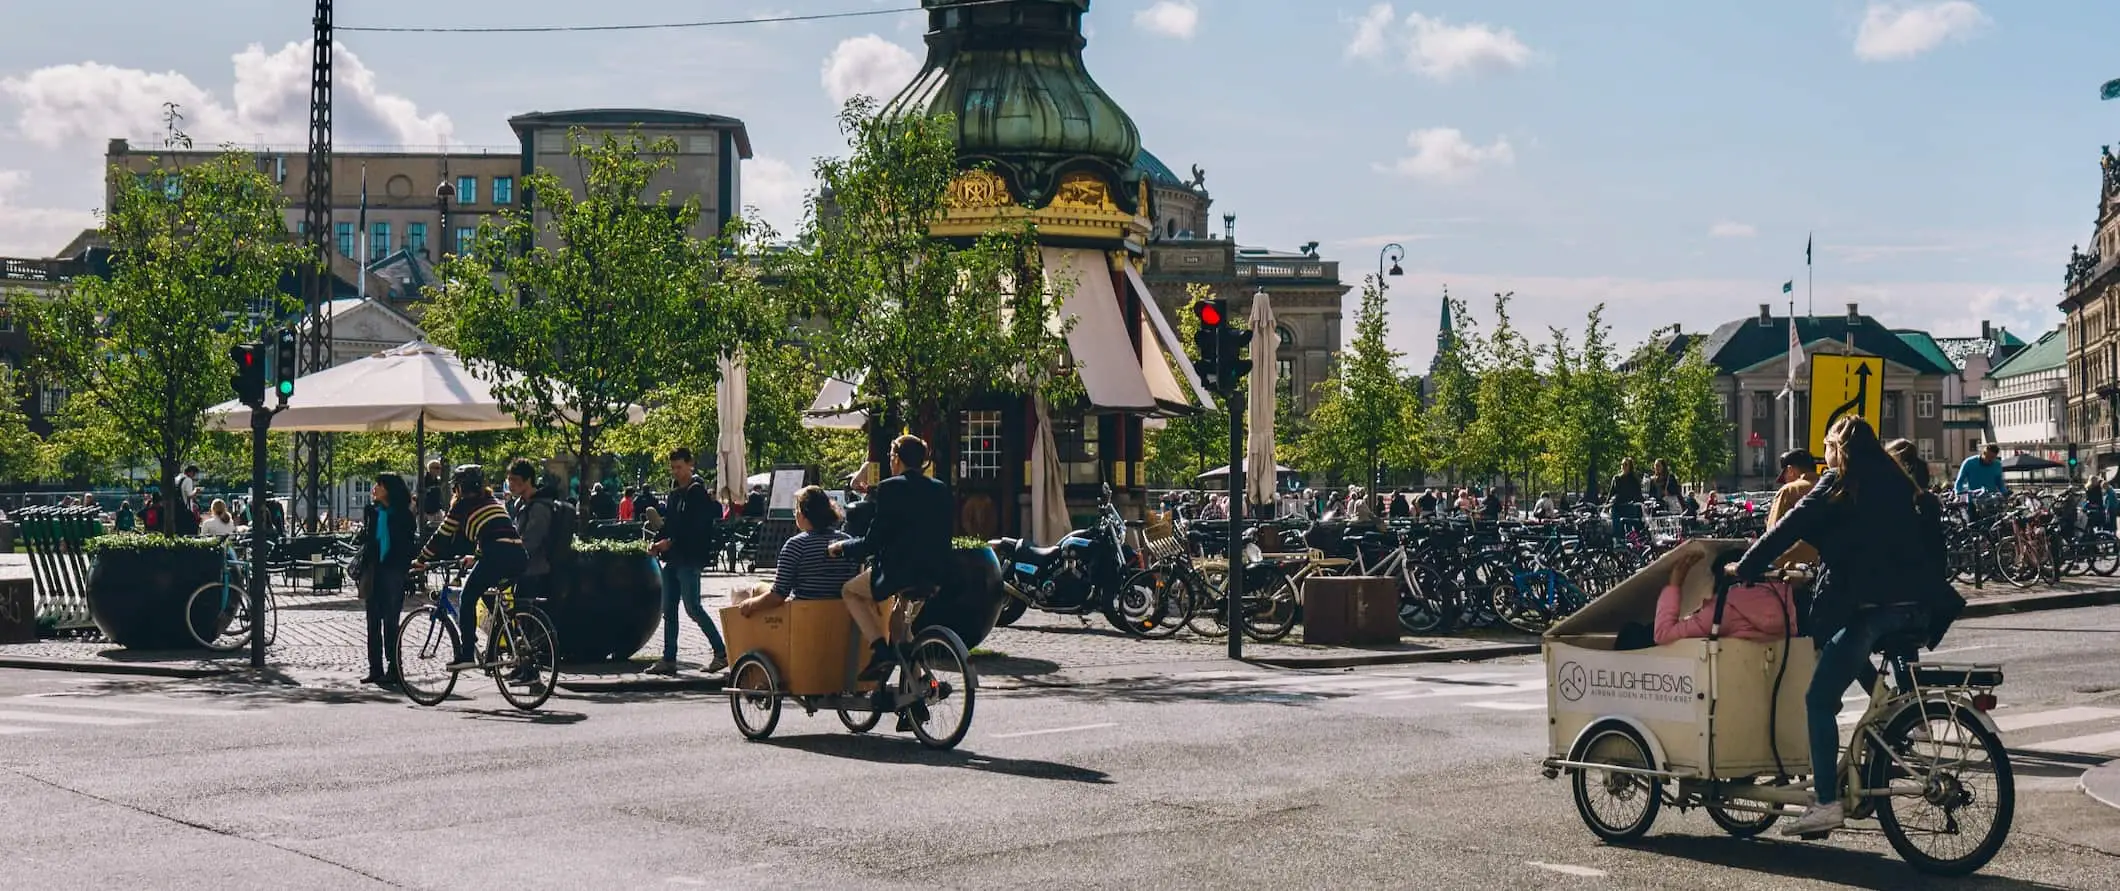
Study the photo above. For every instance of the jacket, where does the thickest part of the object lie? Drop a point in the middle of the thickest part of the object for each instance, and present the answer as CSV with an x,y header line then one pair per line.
x,y
688,523
534,517
403,541
1785,498
908,535
1751,612
1626,489
1872,549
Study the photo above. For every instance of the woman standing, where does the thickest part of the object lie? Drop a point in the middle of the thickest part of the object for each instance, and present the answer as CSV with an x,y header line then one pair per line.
x,y
218,520
385,558
1862,517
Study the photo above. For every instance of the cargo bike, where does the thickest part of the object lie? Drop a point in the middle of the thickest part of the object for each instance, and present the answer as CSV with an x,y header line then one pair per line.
x,y
806,651
1719,724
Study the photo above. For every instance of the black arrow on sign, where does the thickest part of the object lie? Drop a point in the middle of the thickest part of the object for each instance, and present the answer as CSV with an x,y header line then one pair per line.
x,y
1858,406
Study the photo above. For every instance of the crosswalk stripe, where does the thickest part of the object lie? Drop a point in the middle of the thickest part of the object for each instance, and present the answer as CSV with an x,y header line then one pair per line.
x,y
59,718
6,730
2094,744
50,701
2008,721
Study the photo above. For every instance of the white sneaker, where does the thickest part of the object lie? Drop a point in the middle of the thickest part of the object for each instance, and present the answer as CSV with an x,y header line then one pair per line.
x,y
662,666
1818,818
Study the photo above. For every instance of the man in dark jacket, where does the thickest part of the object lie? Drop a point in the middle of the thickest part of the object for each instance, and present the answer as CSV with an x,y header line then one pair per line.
x,y
688,527
533,508
909,539
1626,498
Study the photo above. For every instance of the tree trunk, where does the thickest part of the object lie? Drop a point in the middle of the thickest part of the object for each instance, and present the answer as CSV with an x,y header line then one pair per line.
x,y
172,495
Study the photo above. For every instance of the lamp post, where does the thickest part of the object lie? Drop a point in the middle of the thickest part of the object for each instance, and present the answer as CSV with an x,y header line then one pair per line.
x,y
1394,253
443,194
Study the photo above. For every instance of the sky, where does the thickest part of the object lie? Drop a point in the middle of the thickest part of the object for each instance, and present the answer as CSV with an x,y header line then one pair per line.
x,y
1667,159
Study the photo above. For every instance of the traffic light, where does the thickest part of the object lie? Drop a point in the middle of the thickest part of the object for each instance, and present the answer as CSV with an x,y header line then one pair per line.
x,y
249,379
1234,365
1207,341
2072,454
283,365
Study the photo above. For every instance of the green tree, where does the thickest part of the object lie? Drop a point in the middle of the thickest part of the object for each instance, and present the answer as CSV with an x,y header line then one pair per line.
x,y
1580,407
1453,398
582,305
1655,415
1355,430
1503,436
1705,424
1188,445
144,351
925,324
21,451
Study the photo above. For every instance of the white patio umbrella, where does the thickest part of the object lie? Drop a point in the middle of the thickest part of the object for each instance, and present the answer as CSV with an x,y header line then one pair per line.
x,y
1049,518
1260,487
731,403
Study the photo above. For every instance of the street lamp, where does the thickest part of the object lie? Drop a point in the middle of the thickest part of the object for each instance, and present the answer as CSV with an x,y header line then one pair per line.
x,y
443,195
1394,253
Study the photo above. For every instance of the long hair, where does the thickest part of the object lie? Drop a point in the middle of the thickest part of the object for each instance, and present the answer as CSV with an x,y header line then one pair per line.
x,y
1867,471
396,494
1909,458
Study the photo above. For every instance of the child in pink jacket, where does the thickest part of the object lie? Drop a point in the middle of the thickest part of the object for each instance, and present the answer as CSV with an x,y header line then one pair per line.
x,y
1752,612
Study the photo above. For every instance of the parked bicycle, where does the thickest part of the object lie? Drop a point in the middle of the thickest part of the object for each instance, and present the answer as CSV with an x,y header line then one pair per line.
x,y
218,613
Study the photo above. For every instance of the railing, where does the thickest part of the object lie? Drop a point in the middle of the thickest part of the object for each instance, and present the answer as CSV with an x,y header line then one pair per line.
x,y
1965,414
38,270
1317,271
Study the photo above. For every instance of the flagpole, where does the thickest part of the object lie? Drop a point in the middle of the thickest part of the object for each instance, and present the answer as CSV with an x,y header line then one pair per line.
x,y
1810,299
1791,387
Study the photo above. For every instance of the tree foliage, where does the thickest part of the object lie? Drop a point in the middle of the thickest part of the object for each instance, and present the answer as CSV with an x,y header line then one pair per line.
x,y
1704,425
1189,445
1357,427
21,451
1453,399
197,255
1504,431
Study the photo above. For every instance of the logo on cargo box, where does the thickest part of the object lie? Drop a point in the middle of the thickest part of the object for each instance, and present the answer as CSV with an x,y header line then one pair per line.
x,y
1573,681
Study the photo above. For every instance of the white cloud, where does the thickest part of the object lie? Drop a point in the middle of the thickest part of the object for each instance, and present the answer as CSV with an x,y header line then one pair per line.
x,y
868,65
1442,154
35,231
777,191
1170,18
1433,47
1728,229
1893,31
85,103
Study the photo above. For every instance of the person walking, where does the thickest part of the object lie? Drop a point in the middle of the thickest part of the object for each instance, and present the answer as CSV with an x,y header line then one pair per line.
x,y
433,493
682,544
384,559
535,508
1626,498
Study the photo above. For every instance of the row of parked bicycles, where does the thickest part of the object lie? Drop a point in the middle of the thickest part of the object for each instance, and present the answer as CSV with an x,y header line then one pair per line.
x,y
2028,538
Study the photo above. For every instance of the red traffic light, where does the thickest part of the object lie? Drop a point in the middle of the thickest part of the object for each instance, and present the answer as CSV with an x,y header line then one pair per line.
x,y
1208,313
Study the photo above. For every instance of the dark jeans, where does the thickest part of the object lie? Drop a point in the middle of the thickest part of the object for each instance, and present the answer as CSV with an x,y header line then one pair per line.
x,y
1626,517
1842,660
386,606
499,562
680,584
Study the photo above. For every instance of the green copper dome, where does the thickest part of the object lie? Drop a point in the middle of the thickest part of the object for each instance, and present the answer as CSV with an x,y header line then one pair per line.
x,y
1012,73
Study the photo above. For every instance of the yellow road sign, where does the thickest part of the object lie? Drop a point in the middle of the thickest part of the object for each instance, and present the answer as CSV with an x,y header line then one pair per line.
x,y
1843,386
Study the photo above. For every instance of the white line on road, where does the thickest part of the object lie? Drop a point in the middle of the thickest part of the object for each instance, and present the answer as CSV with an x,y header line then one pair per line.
x,y
51,718
1959,649
1568,869
1508,706
1054,730
2094,744
2073,715
48,700
6,730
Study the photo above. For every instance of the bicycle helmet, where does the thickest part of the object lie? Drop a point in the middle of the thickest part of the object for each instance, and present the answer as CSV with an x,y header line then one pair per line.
x,y
469,476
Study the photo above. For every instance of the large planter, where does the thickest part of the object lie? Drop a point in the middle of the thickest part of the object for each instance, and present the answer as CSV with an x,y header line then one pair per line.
x,y
137,595
973,604
606,605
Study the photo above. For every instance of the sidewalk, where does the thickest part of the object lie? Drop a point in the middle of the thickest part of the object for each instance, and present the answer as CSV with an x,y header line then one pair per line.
x,y
2102,784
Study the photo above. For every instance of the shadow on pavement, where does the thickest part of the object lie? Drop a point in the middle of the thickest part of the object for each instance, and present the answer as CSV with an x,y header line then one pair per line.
x,y
2028,762
261,687
1159,690
511,716
1824,863
1014,666
885,750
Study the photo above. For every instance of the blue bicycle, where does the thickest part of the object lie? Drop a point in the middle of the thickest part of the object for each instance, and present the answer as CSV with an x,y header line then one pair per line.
x,y
218,613
1533,600
521,651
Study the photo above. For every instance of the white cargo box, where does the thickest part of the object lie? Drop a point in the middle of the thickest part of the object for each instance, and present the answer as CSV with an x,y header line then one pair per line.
x,y
1704,708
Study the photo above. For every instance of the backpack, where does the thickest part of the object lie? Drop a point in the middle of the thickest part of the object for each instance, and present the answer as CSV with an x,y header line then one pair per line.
x,y
559,541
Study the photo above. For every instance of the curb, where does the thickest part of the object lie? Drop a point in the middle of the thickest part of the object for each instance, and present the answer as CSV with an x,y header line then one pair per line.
x,y
2102,784
144,669
2025,603
1453,654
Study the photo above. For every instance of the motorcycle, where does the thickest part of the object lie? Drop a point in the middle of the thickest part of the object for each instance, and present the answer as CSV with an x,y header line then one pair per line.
x,y
1084,573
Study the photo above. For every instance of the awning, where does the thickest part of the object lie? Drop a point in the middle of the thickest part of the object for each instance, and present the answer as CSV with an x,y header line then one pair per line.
x,y
1169,336
1103,352
1155,365
834,407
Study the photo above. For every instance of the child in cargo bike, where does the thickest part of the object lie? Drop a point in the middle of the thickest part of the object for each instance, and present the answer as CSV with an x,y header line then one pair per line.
x,y
1759,612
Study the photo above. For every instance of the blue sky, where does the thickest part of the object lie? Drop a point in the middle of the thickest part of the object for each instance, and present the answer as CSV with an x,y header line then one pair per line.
x,y
1666,158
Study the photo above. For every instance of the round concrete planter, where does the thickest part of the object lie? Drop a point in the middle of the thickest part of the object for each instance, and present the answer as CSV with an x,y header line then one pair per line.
x,y
608,605
137,595
973,604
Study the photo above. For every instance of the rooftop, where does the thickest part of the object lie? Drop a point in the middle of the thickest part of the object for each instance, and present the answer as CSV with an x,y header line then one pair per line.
x,y
628,117
1744,343
2047,353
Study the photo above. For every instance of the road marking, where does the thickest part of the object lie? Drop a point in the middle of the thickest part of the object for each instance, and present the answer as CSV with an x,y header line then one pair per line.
x,y
6,730
1568,869
2073,715
1508,706
45,700
2094,744
1959,649
1054,730
52,718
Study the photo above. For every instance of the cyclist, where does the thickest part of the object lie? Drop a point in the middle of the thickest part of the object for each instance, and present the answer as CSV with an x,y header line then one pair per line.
x,y
480,520
909,540
1981,473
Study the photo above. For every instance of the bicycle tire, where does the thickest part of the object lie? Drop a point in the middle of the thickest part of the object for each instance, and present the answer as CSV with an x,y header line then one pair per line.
x,y
753,682
1878,764
533,649
1208,617
1167,604
1270,616
859,722
2105,554
941,650
1740,824
427,642
224,609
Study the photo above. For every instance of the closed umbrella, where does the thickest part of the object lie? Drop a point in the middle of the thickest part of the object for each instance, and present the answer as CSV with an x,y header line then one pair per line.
x,y
731,403
1261,487
1049,519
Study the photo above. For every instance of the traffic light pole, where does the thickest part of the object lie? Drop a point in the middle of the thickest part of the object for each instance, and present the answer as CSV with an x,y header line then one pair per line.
x,y
260,512
1233,586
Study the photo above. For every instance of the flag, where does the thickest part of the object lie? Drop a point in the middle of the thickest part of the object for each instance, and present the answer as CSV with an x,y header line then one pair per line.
x,y
2111,90
1788,286
1795,354
361,262
1807,250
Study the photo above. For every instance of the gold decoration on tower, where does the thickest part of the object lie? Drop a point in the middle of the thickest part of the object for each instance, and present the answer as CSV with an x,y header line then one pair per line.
x,y
1085,191
977,190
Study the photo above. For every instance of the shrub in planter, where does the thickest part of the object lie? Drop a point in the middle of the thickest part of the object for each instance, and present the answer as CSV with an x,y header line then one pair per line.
x,y
608,600
972,604
138,586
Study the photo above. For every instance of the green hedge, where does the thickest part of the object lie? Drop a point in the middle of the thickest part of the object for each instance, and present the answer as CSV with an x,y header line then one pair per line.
x,y
966,543
587,546
144,541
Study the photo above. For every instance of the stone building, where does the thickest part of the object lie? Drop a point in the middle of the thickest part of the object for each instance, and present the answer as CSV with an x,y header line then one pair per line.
x,y
2026,397
1966,425
2090,307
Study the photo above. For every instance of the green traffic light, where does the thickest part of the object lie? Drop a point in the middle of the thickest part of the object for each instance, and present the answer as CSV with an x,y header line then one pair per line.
x,y
287,388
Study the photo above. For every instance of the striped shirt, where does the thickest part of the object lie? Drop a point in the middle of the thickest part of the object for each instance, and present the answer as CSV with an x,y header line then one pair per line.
x,y
478,517
807,572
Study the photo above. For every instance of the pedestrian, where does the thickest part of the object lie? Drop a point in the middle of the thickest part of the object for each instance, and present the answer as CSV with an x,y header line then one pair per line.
x,y
1626,498
625,506
536,511
603,503
218,520
1982,473
1427,502
2094,515
381,566
1799,472
188,485
1491,506
433,495
1399,509
1662,490
754,505
644,500
730,507
126,520
682,545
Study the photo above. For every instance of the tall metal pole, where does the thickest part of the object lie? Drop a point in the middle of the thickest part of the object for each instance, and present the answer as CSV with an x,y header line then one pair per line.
x,y
310,459
1233,584
260,494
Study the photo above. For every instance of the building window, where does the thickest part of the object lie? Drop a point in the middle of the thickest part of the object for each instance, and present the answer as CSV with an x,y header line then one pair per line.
x,y
467,190
979,446
464,236
1076,439
416,238
1891,406
1287,337
1926,448
1762,406
344,231
503,190
1972,446
51,400
1924,405
378,240
1285,380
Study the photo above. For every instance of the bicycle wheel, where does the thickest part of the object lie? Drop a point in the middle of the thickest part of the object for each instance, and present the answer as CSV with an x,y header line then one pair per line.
x,y
1207,616
1521,611
1154,604
1271,613
942,671
859,722
1960,794
1741,824
426,646
2105,554
272,617
218,616
754,697
1419,611
527,667
1618,807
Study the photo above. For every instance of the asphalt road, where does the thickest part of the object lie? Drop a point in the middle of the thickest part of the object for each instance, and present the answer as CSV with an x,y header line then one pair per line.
x,y
1185,775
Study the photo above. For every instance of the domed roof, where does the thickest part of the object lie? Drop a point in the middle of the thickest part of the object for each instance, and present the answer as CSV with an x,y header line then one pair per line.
x,y
1156,172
